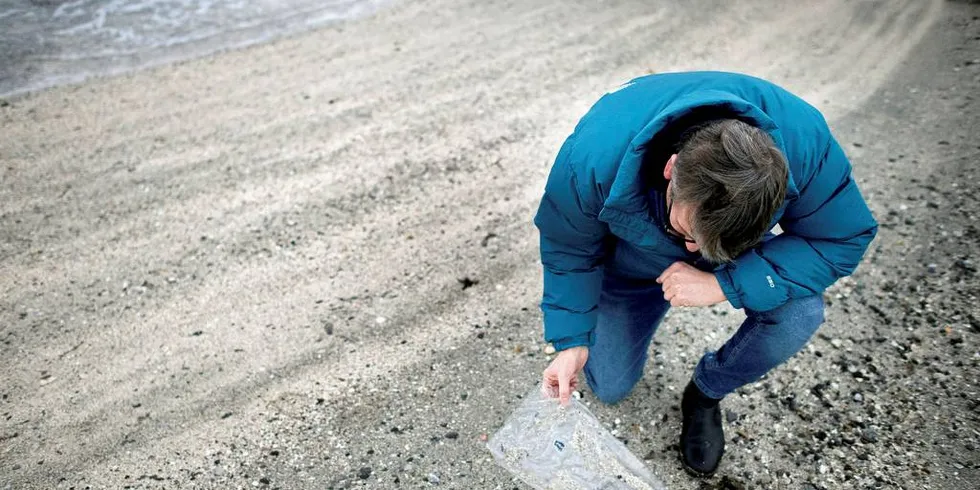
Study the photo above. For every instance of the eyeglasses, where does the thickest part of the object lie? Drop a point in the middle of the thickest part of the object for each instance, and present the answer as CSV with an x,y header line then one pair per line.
x,y
671,232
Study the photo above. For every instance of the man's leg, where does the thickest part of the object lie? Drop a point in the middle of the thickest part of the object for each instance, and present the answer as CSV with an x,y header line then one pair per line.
x,y
764,341
629,313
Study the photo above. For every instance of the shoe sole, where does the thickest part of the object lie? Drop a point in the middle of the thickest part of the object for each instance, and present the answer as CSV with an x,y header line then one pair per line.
x,y
692,471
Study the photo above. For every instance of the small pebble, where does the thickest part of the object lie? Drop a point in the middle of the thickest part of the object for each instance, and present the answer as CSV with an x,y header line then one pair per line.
x,y
793,404
364,473
550,349
858,397
869,435
434,478
932,268
731,416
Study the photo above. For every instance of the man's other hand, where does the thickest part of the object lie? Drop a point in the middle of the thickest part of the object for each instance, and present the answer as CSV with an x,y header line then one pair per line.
x,y
561,376
685,285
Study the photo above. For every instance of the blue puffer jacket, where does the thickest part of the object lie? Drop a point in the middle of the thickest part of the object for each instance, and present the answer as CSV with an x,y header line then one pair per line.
x,y
596,218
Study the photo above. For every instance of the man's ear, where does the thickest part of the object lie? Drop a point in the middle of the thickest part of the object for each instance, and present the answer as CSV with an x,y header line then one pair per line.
x,y
669,168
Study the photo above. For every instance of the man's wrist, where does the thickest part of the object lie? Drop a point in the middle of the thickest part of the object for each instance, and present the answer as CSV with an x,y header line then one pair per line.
x,y
717,293
727,285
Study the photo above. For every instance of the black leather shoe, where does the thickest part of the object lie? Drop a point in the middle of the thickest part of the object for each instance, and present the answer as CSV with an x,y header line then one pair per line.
x,y
702,437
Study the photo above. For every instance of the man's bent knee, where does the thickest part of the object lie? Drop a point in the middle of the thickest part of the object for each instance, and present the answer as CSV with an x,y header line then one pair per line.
x,y
805,313
610,391
793,324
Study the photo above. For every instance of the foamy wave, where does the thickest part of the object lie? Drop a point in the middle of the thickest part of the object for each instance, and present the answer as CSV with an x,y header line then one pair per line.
x,y
43,44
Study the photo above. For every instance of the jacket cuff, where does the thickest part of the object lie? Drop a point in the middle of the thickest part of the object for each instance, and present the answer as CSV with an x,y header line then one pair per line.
x,y
724,277
586,339
565,324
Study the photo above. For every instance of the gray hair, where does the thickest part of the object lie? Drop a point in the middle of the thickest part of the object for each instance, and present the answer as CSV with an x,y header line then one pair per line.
x,y
735,177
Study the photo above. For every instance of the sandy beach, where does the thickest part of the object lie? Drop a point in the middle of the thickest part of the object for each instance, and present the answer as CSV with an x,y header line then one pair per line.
x,y
311,263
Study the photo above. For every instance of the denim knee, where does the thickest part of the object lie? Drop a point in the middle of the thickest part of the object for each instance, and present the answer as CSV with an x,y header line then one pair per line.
x,y
764,341
805,312
796,322
611,391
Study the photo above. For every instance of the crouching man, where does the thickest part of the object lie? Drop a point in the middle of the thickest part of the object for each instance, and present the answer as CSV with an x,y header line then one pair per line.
x,y
667,194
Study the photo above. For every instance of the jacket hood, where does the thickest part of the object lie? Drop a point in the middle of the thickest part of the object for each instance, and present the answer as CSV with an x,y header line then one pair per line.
x,y
627,194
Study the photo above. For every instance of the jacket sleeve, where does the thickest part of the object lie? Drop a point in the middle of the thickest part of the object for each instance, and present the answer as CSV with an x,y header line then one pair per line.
x,y
571,252
825,234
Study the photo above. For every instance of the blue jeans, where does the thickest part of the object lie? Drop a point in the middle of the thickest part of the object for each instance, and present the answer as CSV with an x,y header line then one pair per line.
x,y
631,310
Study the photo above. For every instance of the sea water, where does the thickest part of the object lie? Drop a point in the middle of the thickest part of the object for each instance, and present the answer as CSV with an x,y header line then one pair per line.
x,y
52,42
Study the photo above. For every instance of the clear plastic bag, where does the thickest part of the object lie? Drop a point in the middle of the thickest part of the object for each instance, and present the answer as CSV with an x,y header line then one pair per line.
x,y
552,447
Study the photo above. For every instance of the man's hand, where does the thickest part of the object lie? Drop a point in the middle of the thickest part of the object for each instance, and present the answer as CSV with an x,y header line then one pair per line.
x,y
561,377
685,285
